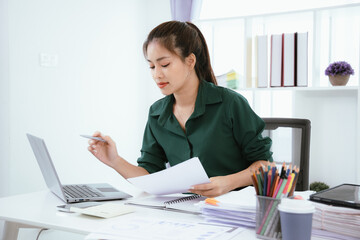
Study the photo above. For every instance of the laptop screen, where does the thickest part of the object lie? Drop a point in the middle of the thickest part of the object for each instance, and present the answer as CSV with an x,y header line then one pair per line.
x,y
46,165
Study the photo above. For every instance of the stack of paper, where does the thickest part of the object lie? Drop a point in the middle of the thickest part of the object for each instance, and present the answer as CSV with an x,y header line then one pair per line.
x,y
237,208
331,222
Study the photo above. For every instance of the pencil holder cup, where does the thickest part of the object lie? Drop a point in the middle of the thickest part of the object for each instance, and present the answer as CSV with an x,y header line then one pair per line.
x,y
267,218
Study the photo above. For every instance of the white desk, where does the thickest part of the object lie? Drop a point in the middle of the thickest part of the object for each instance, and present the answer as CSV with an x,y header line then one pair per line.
x,y
38,209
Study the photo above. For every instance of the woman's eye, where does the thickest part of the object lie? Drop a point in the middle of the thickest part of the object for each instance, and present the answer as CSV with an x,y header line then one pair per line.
x,y
152,67
165,65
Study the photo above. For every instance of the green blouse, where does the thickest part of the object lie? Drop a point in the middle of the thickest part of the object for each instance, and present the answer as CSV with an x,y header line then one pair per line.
x,y
223,131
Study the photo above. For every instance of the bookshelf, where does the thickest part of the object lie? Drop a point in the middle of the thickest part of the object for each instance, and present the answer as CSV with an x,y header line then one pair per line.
x,y
333,111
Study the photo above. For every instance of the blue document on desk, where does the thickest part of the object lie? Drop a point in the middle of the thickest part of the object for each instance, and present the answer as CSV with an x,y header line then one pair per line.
x,y
177,179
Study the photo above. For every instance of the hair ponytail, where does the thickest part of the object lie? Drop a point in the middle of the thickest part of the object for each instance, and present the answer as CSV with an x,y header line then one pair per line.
x,y
203,69
186,38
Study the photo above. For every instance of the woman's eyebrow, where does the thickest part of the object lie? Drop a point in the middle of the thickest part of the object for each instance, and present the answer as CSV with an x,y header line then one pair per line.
x,y
159,59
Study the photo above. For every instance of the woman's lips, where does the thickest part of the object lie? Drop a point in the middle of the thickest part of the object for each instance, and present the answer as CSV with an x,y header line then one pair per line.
x,y
162,84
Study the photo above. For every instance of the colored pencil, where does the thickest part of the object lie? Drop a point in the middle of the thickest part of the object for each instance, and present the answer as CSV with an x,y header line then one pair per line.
x,y
265,181
274,185
282,170
294,183
253,178
288,170
258,176
268,184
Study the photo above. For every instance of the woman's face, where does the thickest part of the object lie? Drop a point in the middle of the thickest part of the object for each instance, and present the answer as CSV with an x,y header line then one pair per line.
x,y
167,69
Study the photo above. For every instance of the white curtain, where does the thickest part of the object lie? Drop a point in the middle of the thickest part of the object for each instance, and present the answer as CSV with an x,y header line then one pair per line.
x,y
185,10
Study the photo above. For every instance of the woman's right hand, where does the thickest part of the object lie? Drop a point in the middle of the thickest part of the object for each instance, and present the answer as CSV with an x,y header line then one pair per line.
x,y
106,152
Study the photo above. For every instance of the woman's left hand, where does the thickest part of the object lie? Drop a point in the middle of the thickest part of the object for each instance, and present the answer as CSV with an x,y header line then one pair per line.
x,y
217,186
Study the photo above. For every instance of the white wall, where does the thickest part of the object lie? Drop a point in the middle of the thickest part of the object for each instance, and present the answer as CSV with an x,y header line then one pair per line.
x,y
4,99
333,134
155,12
101,82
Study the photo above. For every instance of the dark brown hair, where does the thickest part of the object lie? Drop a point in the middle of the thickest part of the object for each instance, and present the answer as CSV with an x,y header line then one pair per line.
x,y
182,39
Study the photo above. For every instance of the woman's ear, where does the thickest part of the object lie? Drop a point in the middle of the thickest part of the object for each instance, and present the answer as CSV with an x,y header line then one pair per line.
x,y
191,60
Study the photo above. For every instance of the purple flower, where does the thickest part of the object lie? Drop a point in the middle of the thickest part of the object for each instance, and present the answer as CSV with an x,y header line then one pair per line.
x,y
339,68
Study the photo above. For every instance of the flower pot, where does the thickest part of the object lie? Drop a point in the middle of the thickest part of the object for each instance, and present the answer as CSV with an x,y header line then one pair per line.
x,y
339,80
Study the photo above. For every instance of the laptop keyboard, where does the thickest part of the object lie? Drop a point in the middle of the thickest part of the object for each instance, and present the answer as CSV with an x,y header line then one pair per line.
x,y
80,191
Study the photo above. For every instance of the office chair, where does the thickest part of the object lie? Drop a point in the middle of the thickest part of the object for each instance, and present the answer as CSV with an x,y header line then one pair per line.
x,y
291,144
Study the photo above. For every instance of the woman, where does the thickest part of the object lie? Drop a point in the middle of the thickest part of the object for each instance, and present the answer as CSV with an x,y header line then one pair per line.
x,y
196,118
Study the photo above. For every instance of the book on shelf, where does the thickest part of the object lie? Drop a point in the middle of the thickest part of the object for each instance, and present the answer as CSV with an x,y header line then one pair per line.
x,y
302,59
288,61
176,202
276,61
262,61
248,73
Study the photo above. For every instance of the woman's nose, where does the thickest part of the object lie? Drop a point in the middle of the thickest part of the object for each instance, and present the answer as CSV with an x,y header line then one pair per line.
x,y
157,73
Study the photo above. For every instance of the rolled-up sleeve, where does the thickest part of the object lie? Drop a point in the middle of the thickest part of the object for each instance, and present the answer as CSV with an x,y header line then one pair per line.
x,y
248,128
152,157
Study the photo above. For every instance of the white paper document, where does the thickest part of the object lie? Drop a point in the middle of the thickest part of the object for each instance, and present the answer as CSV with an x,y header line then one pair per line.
x,y
106,210
176,179
161,229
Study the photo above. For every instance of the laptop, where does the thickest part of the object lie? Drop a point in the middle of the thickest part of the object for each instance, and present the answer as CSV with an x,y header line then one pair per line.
x,y
74,192
345,195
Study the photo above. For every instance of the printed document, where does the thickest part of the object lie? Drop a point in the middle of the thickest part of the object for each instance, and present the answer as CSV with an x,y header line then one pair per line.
x,y
177,179
141,228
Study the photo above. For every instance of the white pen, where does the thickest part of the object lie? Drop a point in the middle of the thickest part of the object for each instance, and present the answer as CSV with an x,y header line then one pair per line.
x,y
91,137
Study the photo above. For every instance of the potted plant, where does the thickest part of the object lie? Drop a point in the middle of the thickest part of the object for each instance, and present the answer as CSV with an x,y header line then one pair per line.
x,y
318,186
339,73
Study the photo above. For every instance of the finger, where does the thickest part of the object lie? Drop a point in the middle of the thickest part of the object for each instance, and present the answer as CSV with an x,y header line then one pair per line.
x,y
108,139
101,135
93,151
97,134
203,187
92,147
209,193
95,141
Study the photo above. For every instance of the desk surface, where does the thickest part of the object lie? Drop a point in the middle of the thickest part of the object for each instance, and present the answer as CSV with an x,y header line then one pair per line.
x,y
38,209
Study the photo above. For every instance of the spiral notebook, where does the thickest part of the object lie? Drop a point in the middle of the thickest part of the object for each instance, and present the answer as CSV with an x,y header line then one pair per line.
x,y
175,202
